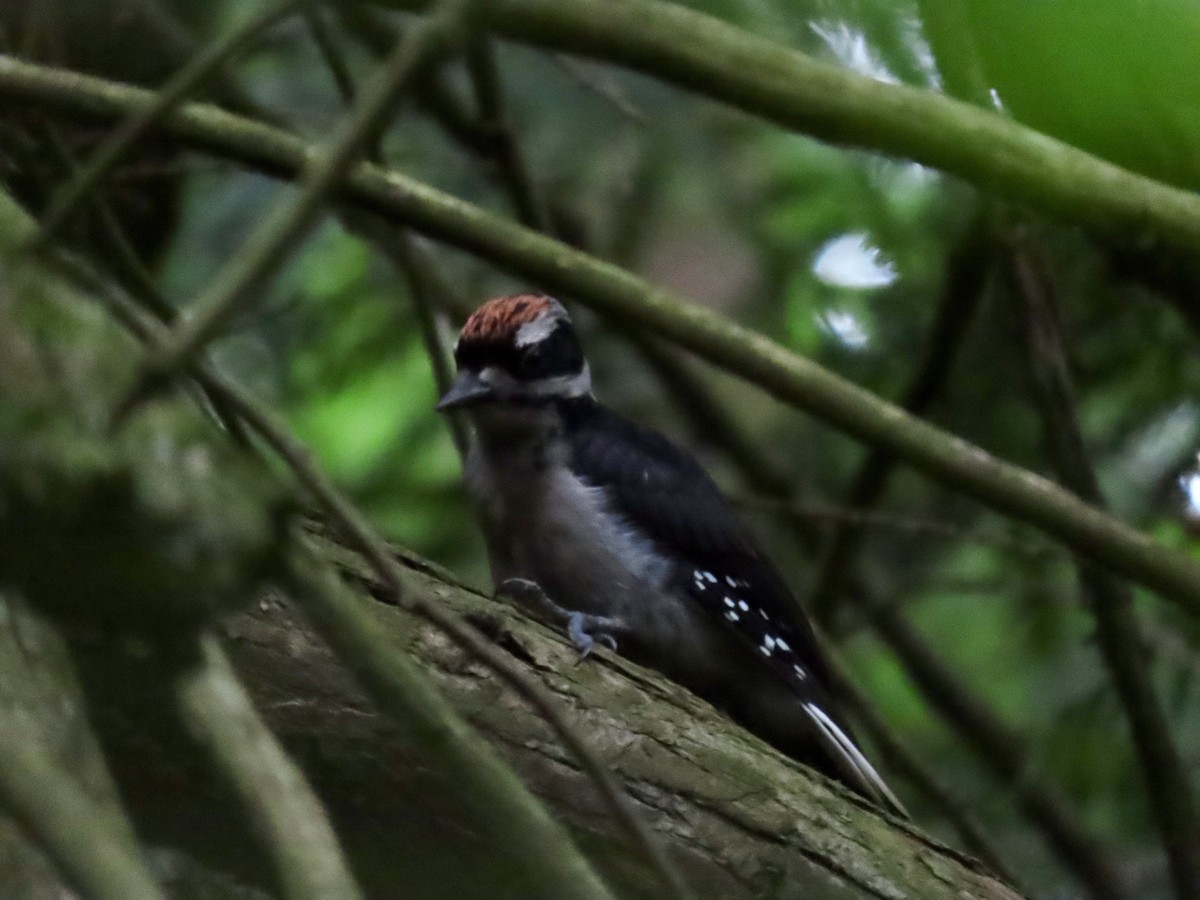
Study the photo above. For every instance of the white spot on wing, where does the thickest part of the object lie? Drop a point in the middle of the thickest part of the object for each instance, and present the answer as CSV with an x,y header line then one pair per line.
x,y
731,615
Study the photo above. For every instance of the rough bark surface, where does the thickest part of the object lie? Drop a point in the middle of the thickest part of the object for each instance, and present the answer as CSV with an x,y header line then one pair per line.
x,y
742,820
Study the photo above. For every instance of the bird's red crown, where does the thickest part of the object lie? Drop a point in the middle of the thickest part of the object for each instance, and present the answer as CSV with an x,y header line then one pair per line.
x,y
499,319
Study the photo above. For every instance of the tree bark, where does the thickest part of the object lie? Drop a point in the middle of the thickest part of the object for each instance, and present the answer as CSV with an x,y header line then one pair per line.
x,y
742,820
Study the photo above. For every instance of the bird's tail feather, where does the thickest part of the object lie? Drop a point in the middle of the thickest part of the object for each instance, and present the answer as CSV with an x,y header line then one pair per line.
x,y
852,763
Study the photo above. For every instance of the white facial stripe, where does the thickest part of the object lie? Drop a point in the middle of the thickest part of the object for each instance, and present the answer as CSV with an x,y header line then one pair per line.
x,y
539,329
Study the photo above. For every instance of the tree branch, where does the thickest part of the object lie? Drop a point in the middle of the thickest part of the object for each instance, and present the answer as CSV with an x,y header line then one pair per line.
x,y
743,820
290,219
95,853
702,54
183,84
286,813
956,463
496,798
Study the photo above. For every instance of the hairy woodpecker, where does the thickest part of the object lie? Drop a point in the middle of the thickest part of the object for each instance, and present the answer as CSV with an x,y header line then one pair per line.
x,y
629,539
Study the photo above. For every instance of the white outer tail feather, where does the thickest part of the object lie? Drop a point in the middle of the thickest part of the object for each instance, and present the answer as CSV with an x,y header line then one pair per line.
x,y
852,762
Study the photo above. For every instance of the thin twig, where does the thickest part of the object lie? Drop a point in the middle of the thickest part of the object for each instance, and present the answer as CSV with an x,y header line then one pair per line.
x,y
76,833
331,53
182,85
605,90
377,32
213,705
393,243
179,41
505,149
410,260
1168,643
286,224
1168,786
485,132
122,259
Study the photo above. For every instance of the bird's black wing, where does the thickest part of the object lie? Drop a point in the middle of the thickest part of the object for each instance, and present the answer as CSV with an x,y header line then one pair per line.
x,y
663,492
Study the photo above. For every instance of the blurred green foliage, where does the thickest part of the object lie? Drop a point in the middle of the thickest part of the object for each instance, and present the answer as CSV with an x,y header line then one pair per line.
x,y
840,255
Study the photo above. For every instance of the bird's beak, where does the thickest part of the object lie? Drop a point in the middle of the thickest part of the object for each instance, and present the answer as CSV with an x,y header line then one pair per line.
x,y
467,390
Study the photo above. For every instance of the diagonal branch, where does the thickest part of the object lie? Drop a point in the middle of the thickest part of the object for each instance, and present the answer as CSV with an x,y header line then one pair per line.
x,y
90,849
290,220
704,55
505,149
956,463
184,83
213,704
966,277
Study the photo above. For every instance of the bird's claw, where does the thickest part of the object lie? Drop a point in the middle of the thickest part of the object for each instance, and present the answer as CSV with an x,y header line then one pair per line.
x,y
584,630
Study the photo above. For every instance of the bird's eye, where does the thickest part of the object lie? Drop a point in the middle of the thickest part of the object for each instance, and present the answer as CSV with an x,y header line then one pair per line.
x,y
532,362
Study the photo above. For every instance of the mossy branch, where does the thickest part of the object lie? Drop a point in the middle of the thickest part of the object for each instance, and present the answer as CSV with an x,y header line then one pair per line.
x,y
92,849
212,702
704,55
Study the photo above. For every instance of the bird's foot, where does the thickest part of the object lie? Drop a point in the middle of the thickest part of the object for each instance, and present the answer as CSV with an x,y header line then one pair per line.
x,y
584,630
